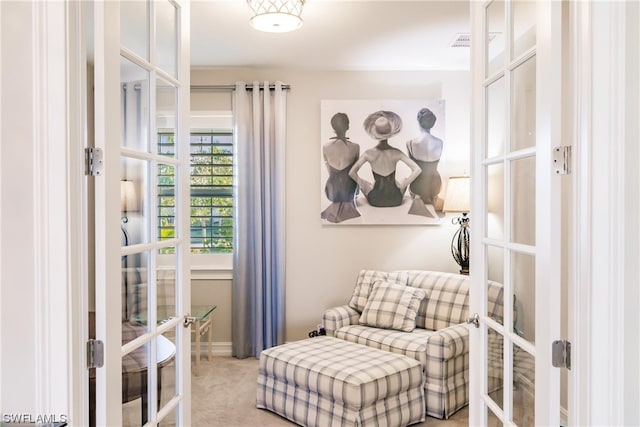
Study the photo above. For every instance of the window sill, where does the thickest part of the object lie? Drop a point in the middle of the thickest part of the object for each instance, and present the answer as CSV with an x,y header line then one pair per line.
x,y
203,266
211,272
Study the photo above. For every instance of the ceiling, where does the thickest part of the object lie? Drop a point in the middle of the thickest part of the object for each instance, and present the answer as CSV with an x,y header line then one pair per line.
x,y
336,35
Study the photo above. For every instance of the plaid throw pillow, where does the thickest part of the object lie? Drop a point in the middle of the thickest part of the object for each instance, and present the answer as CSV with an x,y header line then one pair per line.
x,y
392,306
365,282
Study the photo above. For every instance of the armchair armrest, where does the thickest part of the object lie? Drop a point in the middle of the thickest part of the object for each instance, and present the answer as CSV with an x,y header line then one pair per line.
x,y
449,343
447,370
337,317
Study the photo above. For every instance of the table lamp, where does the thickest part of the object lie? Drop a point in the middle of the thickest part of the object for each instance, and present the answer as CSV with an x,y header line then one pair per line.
x,y
457,200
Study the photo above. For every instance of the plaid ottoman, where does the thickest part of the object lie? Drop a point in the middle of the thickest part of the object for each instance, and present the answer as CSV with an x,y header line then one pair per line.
x,y
326,381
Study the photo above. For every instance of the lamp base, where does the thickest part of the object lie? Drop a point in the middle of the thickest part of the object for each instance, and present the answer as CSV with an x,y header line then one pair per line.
x,y
460,249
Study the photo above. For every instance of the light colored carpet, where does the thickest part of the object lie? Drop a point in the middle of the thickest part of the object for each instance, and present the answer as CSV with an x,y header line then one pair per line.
x,y
224,395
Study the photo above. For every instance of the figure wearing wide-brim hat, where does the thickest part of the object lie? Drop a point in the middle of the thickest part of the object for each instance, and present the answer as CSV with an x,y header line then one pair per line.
x,y
385,191
382,125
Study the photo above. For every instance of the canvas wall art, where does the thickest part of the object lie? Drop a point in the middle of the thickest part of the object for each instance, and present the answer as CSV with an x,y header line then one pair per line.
x,y
381,161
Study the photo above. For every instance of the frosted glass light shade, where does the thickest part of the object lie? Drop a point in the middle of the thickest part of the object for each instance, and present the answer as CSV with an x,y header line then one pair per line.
x,y
276,16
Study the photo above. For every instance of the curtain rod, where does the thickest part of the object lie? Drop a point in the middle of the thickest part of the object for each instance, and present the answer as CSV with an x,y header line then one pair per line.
x,y
233,87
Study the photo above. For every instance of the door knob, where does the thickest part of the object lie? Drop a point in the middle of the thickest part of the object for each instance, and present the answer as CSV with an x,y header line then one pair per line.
x,y
188,320
475,320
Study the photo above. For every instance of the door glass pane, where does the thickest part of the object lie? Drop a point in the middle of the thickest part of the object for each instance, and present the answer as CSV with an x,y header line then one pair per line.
x,y
495,119
492,420
134,27
135,105
133,203
166,291
171,419
166,110
166,36
523,276
495,366
523,101
495,287
495,201
524,26
166,360
135,279
166,204
135,408
495,37
523,387
523,209
495,264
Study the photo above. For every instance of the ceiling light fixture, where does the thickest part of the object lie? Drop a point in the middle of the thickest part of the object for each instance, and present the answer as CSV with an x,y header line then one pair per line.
x,y
276,16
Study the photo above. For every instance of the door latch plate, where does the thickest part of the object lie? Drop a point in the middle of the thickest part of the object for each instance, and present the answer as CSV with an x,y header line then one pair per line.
x,y
561,354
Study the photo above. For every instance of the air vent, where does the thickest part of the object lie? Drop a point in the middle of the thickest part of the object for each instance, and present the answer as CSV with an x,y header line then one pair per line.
x,y
464,39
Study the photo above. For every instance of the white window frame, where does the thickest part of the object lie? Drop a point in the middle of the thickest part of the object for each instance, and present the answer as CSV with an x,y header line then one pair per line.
x,y
206,266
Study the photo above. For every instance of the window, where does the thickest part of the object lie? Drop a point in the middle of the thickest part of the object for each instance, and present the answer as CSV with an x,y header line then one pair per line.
x,y
211,192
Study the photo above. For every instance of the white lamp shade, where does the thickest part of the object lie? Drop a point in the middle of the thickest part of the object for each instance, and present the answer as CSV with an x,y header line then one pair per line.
x,y
128,197
276,16
458,194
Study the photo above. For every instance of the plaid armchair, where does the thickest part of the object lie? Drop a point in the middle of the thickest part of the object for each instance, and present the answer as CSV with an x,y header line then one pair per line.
x,y
440,341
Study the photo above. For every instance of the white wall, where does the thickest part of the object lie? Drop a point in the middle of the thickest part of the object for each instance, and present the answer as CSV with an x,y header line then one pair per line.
x,y
322,260
17,315
35,284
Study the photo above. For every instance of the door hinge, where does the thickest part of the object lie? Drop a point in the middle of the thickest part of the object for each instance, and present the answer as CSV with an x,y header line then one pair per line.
x,y
95,354
562,160
93,161
561,354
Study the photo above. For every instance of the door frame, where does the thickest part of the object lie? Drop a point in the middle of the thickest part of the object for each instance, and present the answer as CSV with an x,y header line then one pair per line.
x,y
44,374
605,255
79,131
106,15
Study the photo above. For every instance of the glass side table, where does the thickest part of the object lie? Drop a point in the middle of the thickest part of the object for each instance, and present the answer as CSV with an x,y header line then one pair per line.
x,y
202,325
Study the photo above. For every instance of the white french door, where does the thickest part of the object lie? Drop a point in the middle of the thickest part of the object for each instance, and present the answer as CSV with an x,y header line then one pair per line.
x,y
516,212
142,269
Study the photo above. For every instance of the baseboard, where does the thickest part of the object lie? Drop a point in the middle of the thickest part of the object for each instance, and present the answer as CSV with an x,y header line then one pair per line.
x,y
217,348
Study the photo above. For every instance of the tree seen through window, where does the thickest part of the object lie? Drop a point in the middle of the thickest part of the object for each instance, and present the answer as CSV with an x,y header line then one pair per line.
x,y
211,181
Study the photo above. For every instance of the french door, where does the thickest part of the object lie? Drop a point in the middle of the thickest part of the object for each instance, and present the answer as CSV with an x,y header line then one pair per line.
x,y
516,212
141,63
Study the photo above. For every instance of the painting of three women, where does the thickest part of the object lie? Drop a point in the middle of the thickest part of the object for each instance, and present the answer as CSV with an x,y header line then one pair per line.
x,y
380,161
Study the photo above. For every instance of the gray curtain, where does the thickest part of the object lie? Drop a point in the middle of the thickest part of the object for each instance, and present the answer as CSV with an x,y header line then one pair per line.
x,y
258,260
